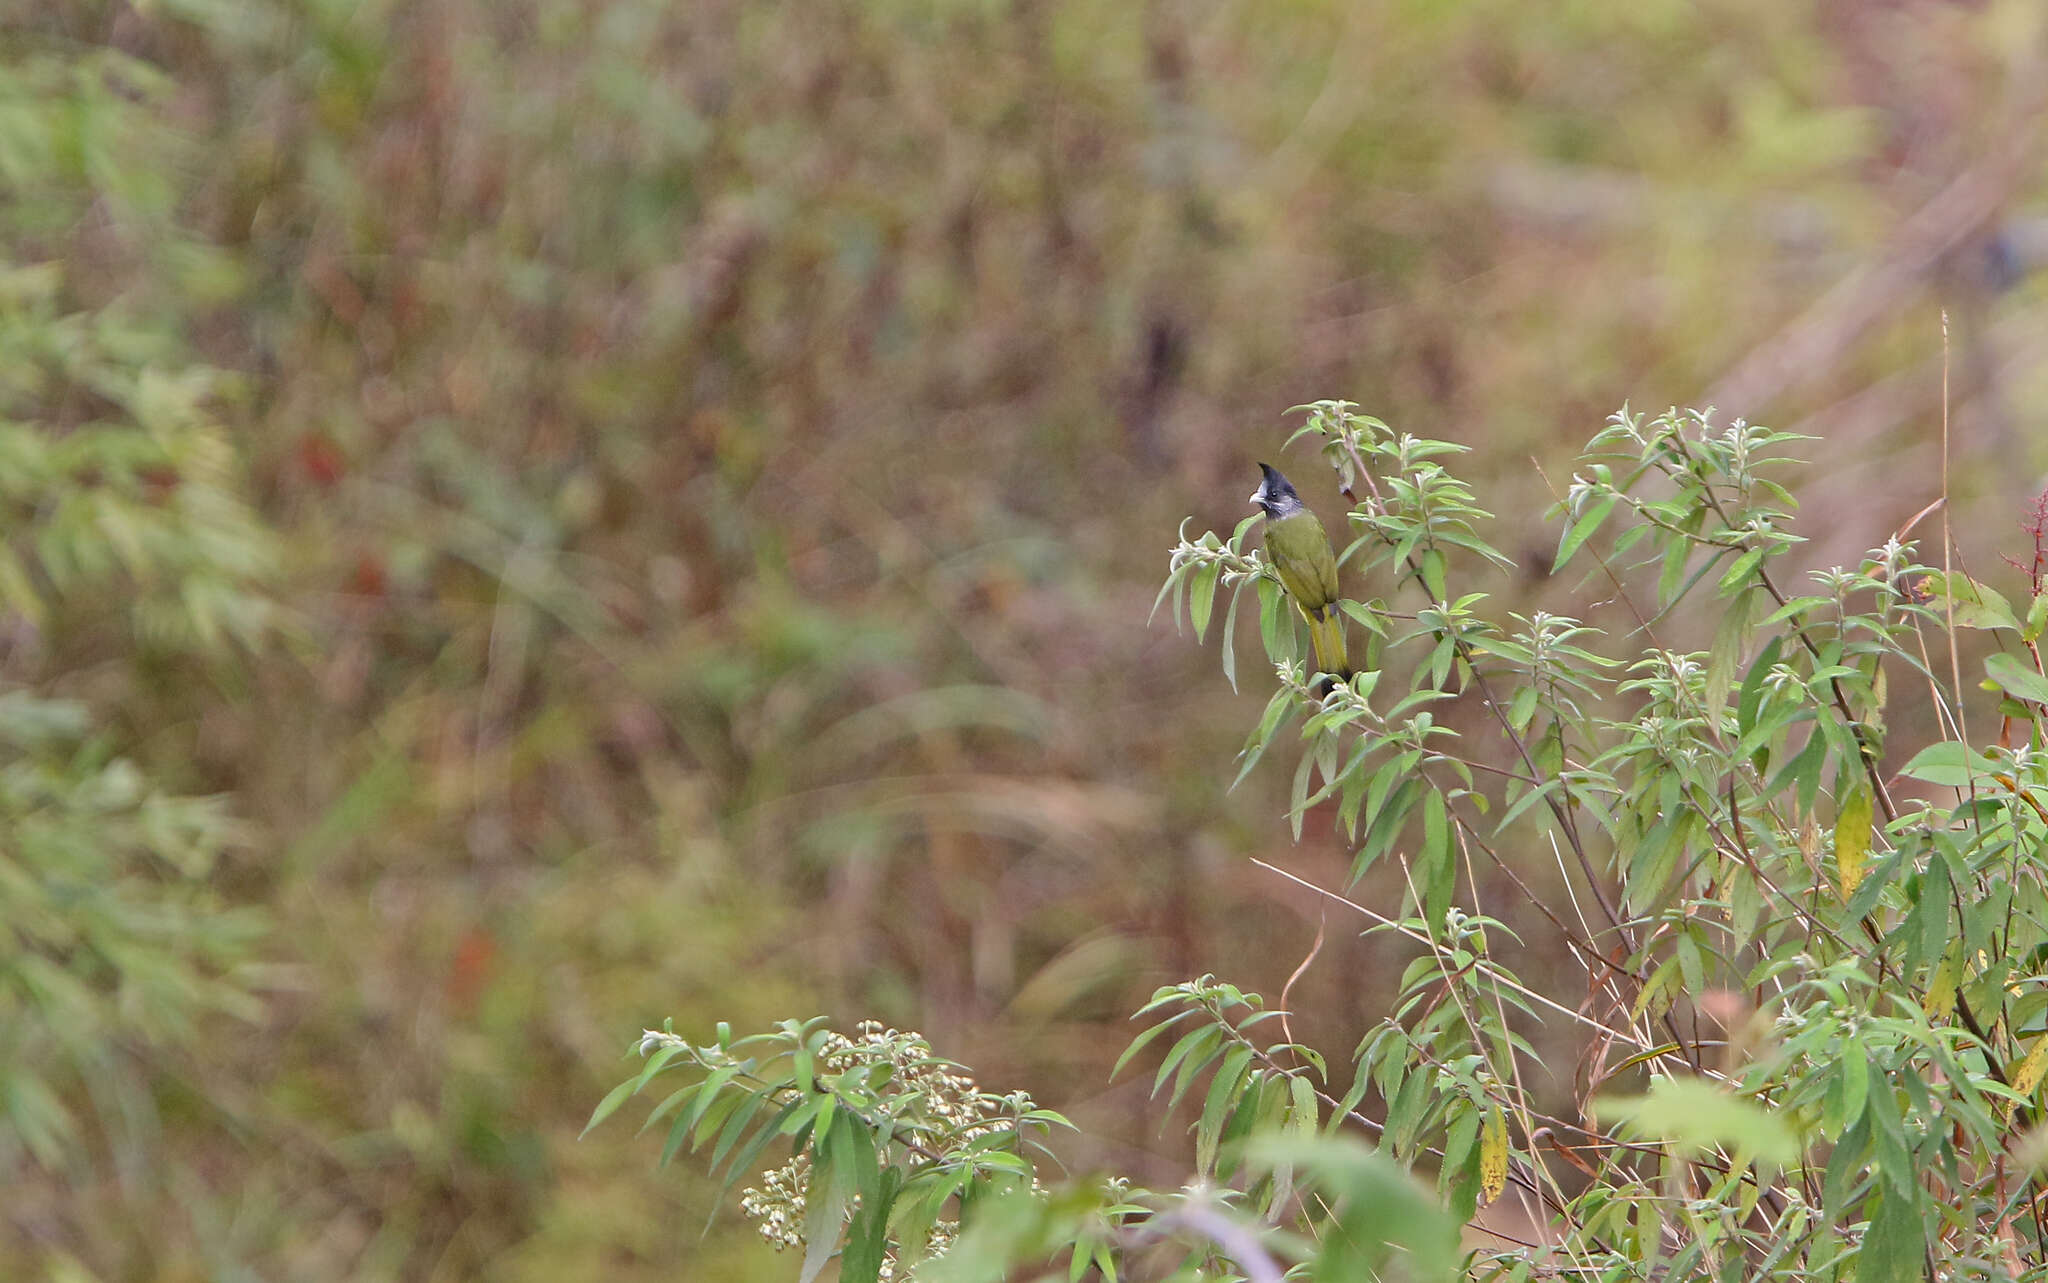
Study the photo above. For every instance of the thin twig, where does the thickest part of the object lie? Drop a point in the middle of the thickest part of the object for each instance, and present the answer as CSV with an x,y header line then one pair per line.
x,y
1286,1025
1492,973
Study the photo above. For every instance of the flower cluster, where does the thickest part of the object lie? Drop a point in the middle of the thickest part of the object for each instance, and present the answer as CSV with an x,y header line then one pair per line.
x,y
938,1106
778,1203
938,1111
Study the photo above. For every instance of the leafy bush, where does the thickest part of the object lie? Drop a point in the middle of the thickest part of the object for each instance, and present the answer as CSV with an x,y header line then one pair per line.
x,y
1811,1039
130,561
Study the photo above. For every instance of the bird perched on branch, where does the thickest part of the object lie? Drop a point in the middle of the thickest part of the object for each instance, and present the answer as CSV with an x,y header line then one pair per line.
x,y
1307,566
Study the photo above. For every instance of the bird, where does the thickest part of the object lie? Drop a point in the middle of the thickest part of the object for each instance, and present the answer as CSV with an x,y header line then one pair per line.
x,y
1301,555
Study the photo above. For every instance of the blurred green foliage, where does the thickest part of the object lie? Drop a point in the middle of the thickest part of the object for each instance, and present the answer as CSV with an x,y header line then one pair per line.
x,y
650,508
132,569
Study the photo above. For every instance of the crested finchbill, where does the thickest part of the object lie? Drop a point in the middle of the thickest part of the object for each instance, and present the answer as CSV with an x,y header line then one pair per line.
x,y
1302,556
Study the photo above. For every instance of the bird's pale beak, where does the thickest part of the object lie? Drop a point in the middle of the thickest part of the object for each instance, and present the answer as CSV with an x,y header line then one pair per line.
x,y
1254,500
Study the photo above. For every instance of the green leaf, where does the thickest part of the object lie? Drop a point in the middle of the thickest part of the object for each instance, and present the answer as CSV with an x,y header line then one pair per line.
x,y
1582,529
1531,797
1888,1135
710,1089
1738,574
1461,1199
1691,966
1698,1115
735,1127
1675,554
614,1098
712,1121
1297,794
670,1103
1223,1097
1753,686
867,1237
1276,624
1437,859
1279,711
1803,771
1260,1107
1144,1039
1523,707
1847,1171
1304,1109
1176,579
1933,906
1202,597
1188,1056
744,1157
1895,1243
1230,637
1950,763
1976,605
999,1230
1853,1071
1408,1111
2016,679
1378,1208
1461,1153
842,1159
1433,574
1386,825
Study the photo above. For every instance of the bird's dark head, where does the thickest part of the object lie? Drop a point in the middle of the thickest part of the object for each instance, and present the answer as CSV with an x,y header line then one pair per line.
x,y
1276,494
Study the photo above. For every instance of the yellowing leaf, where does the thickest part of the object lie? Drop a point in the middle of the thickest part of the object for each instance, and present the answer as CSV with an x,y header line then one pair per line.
x,y
1493,1155
1852,840
1941,987
1809,846
2028,1075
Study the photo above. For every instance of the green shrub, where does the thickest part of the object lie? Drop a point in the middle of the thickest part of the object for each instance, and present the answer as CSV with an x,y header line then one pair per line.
x,y
130,565
1811,1033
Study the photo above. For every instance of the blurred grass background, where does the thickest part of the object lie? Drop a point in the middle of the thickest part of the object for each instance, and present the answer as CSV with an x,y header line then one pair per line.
x,y
528,517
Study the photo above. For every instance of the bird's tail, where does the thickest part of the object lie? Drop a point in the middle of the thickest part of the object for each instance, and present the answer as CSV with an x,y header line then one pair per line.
x,y
1326,636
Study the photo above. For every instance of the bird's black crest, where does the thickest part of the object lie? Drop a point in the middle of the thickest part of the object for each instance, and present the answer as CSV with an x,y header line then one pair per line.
x,y
1276,494
1276,483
